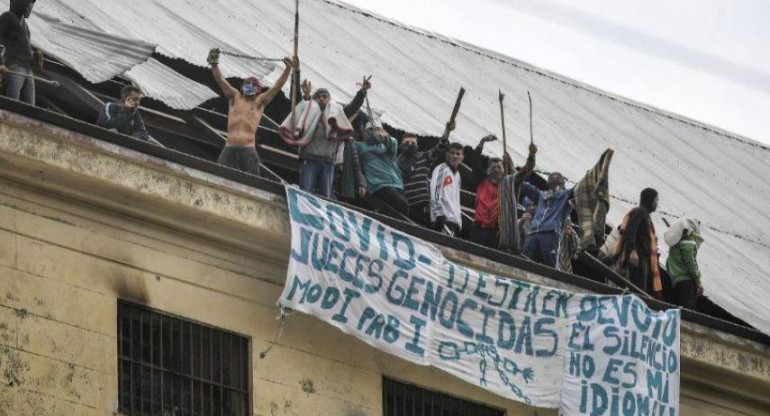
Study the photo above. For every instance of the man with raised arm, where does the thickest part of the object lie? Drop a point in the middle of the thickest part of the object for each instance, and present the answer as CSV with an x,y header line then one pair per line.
x,y
245,114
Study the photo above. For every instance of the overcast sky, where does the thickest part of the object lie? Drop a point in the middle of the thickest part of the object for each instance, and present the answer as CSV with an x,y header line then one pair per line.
x,y
705,59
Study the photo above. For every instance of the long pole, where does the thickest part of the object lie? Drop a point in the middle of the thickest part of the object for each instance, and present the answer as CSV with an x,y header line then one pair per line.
x,y
294,79
531,135
502,119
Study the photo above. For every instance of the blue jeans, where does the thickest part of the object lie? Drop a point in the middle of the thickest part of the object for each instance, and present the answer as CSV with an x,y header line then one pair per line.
x,y
20,87
314,174
542,247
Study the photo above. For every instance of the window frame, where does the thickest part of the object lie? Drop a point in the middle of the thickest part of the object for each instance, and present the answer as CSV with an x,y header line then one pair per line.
x,y
422,394
136,312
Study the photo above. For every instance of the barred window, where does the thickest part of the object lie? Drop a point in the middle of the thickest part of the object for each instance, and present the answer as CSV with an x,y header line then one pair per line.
x,y
169,366
400,399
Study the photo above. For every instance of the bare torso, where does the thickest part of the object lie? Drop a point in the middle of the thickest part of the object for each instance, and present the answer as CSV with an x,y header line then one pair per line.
x,y
242,121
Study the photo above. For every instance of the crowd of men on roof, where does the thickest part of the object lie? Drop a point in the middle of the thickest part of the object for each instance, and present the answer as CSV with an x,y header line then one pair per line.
x,y
406,182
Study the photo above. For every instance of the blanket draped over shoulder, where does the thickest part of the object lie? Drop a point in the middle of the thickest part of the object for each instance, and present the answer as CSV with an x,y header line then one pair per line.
x,y
592,201
508,206
621,257
309,114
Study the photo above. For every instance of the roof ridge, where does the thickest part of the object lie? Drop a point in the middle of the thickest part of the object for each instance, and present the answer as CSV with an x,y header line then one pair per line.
x,y
552,75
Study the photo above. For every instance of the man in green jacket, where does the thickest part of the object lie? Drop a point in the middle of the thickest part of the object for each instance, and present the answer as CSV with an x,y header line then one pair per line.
x,y
684,239
385,188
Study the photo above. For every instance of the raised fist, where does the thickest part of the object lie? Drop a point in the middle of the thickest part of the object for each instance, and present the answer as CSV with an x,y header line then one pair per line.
x,y
213,57
306,86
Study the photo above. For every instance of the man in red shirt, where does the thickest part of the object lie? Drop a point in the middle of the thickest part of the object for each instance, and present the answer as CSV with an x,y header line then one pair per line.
x,y
488,174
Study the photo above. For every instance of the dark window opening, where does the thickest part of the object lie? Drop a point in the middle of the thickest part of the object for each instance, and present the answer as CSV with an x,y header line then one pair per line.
x,y
400,399
171,366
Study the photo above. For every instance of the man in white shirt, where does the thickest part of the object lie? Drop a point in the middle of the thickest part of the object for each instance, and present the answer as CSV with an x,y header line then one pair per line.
x,y
445,188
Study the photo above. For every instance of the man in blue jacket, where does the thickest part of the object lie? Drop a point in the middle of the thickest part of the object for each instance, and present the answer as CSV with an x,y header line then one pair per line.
x,y
123,116
542,241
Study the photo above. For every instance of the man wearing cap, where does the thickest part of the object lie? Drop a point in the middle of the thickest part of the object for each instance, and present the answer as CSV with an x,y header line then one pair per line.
x,y
245,114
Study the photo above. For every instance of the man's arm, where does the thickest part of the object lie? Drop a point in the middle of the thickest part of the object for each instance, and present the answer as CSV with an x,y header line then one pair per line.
x,y
635,220
227,89
358,100
113,116
436,191
265,98
140,130
530,192
358,173
689,253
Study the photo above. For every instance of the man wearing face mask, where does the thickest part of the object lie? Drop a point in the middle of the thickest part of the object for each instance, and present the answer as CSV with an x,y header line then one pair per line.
x,y
19,55
377,154
245,114
415,169
123,116
542,241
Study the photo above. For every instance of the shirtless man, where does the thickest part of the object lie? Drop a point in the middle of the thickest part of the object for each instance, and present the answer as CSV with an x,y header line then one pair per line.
x,y
246,108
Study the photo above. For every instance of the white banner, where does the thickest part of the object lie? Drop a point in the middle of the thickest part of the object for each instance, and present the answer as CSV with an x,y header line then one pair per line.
x,y
516,339
622,358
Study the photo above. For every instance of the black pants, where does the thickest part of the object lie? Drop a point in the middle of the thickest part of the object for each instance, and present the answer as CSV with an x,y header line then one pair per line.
x,y
487,237
243,158
686,294
640,275
391,202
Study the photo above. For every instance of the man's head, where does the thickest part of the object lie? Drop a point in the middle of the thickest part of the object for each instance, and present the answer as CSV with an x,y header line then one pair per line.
x,y
649,200
22,8
409,144
374,134
131,97
556,182
322,97
454,154
495,170
250,87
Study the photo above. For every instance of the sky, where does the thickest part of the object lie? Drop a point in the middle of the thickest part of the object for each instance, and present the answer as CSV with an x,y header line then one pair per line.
x,y
708,60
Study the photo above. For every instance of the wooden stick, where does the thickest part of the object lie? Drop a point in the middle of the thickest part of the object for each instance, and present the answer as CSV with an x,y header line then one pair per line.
x,y
366,97
455,110
502,119
295,81
50,82
531,135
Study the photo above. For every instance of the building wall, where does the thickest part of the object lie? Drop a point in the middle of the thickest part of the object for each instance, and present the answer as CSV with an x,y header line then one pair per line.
x,y
83,224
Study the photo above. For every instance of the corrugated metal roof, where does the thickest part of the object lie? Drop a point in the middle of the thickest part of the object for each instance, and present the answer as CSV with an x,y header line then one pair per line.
x,y
700,171
96,55
165,84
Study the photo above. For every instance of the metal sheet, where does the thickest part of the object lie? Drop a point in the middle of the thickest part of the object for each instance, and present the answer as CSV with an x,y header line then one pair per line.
x,y
163,83
96,55
700,171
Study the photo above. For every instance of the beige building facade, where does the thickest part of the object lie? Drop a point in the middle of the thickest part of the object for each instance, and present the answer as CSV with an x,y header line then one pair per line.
x,y
86,225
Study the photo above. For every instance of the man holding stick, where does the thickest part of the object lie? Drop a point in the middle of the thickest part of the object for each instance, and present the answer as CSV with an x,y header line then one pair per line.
x,y
245,114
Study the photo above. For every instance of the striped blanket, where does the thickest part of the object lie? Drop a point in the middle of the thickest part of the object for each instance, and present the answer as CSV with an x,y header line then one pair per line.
x,y
509,201
592,201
